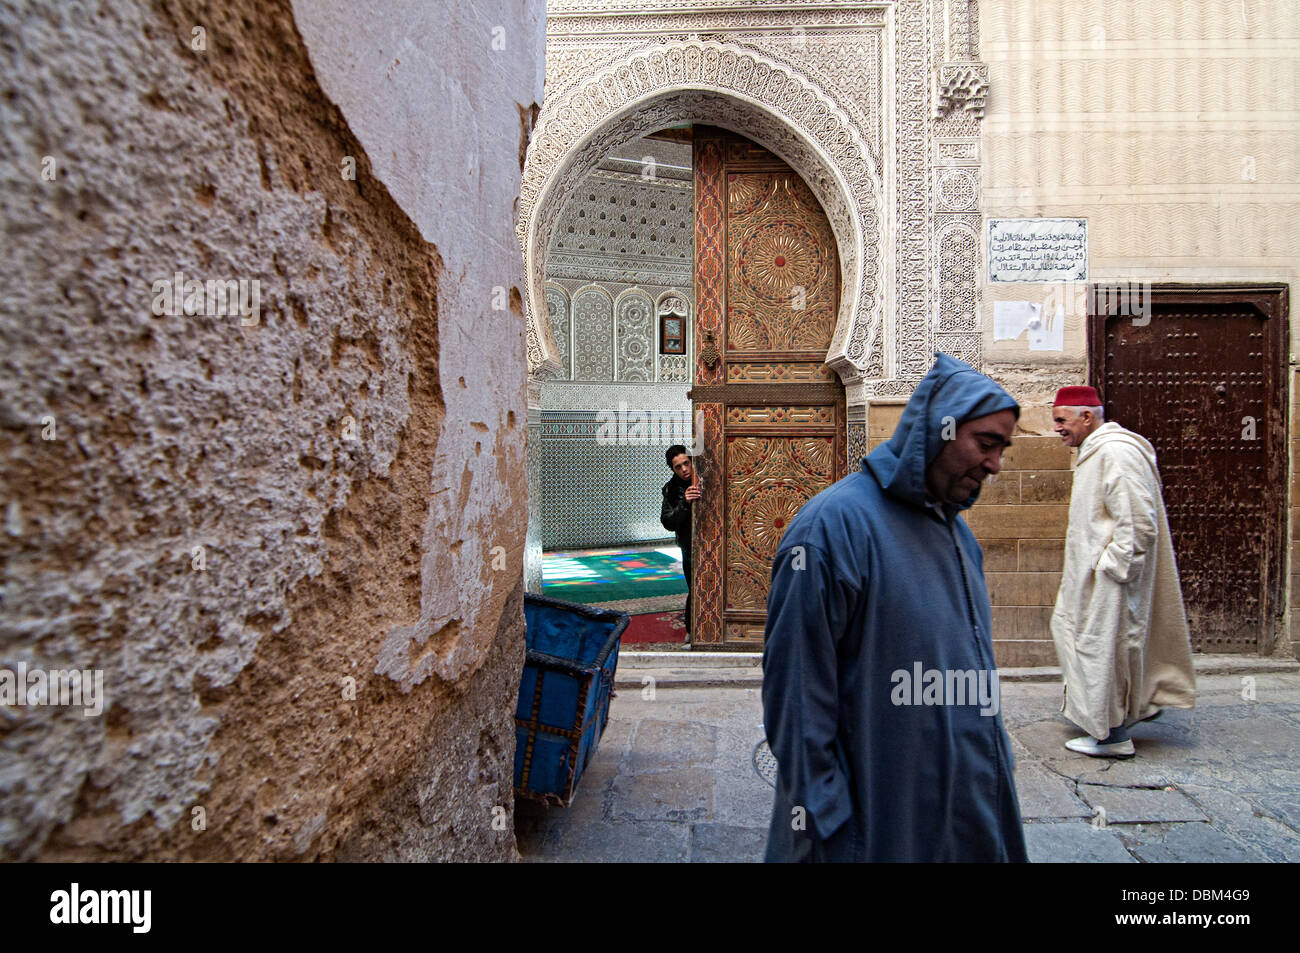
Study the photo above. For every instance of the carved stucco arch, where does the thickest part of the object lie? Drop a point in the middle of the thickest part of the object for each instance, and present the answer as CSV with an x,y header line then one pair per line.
x,y
723,84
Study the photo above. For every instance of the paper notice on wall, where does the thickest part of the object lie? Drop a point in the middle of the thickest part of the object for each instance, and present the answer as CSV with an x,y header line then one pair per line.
x,y
1012,318
1048,334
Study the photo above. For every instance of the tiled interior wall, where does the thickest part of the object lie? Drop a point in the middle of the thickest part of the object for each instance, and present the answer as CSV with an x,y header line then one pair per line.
x,y
533,545
595,494
1020,521
609,331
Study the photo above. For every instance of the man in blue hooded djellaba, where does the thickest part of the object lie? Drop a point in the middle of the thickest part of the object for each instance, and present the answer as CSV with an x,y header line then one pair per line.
x,y
880,694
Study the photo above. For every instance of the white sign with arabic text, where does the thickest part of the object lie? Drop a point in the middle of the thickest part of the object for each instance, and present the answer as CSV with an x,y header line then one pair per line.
x,y
1038,249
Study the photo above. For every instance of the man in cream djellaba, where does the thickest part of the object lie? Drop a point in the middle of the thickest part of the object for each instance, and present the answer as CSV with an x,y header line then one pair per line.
x,y
1119,625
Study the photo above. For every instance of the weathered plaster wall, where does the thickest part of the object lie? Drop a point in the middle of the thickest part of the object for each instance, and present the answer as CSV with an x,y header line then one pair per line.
x,y
327,556
443,98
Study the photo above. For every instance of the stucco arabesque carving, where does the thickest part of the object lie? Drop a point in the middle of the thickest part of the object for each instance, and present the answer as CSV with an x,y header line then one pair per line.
x,y
962,86
936,309
625,227
723,83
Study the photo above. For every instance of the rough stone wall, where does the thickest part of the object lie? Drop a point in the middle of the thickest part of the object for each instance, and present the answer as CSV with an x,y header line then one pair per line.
x,y
346,466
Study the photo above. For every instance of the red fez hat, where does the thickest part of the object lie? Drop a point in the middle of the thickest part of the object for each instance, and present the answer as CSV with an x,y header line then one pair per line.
x,y
1077,396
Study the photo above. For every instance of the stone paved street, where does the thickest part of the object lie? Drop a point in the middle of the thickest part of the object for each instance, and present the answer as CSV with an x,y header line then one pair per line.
x,y
674,779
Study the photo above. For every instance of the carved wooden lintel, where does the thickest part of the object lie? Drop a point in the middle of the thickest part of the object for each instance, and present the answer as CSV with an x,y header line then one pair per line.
x,y
732,394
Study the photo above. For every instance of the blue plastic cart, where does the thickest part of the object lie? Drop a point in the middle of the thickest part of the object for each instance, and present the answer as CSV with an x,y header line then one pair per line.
x,y
564,694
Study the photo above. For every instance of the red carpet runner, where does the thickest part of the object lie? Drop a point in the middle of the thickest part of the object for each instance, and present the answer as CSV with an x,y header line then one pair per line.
x,y
655,627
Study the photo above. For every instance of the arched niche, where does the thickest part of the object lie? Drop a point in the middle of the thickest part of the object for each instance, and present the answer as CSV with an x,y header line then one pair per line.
x,y
560,321
593,334
674,303
634,337
724,84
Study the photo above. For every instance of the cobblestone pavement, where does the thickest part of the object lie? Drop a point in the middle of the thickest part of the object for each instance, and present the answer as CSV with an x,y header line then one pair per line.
x,y
674,780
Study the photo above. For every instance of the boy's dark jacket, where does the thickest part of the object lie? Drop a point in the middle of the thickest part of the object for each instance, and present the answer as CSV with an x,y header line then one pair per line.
x,y
675,514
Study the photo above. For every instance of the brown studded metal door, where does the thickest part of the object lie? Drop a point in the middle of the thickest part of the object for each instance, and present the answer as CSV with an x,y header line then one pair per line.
x,y
1202,375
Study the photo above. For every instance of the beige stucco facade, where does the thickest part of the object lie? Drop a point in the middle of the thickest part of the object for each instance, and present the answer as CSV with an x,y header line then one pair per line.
x,y
1170,126
1173,128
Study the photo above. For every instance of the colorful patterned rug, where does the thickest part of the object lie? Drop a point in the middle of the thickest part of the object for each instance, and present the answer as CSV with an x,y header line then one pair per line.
x,y
610,575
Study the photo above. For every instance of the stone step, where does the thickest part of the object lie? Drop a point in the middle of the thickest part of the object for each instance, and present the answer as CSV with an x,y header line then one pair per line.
x,y
689,659
688,669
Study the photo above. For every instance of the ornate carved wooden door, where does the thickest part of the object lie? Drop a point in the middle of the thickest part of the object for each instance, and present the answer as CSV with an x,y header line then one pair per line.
x,y
771,412
1202,375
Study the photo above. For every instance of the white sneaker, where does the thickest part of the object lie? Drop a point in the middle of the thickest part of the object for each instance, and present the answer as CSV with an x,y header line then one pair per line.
x,y
1091,746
